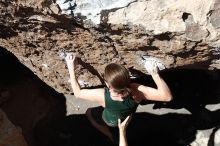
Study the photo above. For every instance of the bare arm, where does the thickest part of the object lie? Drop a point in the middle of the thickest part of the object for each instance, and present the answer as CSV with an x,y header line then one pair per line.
x,y
162,87
74,83
122,131
122,138
161,93
96,95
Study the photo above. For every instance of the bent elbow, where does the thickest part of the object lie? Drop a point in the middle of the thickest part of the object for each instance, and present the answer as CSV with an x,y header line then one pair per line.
x,y
168,98
76,91
77,94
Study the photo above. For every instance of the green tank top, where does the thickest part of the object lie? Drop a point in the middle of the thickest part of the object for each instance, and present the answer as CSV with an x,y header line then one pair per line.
x,y
115,110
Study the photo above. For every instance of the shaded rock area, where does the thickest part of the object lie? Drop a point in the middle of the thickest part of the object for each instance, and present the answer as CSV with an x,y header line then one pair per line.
x,y
10,134
183,34
26,100
40,111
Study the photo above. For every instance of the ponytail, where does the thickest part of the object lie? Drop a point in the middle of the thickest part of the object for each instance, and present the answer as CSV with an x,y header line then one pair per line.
x,y
125,91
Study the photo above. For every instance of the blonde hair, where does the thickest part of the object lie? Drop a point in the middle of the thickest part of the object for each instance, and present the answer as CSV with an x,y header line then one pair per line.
x,y
117,76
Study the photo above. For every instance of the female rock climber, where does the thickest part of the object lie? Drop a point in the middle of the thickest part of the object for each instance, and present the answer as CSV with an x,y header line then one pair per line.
x,y
119,98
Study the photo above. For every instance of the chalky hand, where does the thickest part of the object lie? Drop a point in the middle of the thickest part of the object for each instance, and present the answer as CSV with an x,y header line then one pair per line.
x,y
70,60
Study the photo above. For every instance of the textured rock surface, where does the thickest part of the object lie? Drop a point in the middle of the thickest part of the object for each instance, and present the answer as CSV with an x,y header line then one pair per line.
x,y
89,8
40,111
183,34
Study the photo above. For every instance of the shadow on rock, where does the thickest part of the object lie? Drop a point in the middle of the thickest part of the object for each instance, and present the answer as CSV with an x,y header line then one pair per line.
x,y
192,89
145,129
40,111
26,99
7,32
